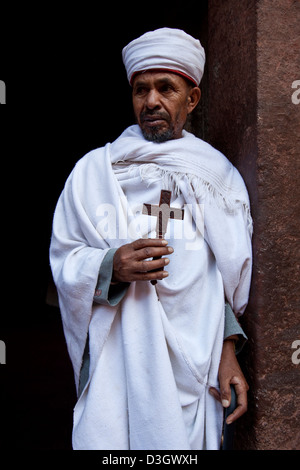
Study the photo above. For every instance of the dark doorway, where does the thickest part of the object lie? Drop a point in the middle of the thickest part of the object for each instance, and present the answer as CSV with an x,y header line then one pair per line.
x,y
79,99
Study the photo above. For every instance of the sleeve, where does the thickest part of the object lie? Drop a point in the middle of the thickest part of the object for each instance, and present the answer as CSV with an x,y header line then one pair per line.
x,y
232,327
105,292
76,255
228,234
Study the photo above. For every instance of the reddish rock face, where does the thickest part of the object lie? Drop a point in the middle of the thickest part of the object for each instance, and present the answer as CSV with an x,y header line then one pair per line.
x,y
253,61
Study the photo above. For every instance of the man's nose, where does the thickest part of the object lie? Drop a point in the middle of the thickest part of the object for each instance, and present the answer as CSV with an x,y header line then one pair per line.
x,y
152,100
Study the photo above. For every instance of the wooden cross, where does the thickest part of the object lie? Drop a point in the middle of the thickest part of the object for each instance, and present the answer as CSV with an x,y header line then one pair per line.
x,y
163,212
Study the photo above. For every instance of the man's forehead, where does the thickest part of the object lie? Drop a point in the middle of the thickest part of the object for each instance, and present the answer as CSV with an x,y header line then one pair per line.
x,y
157,77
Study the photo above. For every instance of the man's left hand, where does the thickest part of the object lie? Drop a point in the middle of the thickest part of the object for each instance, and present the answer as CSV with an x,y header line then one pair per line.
x,y
230,373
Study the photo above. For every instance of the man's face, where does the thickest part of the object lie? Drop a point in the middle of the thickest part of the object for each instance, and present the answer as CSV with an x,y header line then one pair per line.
x,y
161,103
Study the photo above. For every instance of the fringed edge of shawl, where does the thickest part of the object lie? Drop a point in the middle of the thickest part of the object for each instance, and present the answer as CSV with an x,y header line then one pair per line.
x,y
200,188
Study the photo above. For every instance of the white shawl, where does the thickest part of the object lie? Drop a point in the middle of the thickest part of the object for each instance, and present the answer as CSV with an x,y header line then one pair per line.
x,y
154,356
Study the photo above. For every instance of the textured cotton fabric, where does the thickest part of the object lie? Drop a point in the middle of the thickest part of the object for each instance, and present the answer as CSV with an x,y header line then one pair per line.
x,y
165,49
153,356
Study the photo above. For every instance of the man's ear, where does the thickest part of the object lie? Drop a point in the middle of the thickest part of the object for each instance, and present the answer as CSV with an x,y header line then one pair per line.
x,y
194,98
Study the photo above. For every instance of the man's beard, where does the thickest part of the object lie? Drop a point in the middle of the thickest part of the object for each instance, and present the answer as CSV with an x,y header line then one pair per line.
x,y
156,133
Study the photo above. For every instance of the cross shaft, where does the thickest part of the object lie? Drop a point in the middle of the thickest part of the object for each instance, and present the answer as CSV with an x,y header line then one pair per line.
x,y
163,212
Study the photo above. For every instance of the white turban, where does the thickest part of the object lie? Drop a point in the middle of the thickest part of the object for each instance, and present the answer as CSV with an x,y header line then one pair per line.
x,y
165,49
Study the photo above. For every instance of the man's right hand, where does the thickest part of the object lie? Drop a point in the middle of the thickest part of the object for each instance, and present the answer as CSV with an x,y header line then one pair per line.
x,y
132,262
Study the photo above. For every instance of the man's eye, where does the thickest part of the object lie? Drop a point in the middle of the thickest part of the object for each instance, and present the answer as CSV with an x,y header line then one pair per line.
x,y
166,88
140,91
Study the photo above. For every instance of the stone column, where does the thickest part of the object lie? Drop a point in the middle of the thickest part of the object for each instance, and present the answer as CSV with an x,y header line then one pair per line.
x,y
254,119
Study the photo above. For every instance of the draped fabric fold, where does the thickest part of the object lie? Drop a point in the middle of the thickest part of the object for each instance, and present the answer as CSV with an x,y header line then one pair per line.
x,y
153,356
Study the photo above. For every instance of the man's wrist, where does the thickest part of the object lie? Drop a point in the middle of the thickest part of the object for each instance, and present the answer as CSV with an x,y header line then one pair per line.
x,y
233,338
230,342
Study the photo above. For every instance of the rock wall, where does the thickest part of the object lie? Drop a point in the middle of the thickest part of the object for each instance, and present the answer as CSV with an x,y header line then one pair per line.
x,y
254,118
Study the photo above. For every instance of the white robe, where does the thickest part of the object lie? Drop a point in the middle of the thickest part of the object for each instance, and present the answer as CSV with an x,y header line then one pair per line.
x,y
154,356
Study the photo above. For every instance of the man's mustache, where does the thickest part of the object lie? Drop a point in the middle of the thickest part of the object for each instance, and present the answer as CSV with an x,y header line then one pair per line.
x,y
151,114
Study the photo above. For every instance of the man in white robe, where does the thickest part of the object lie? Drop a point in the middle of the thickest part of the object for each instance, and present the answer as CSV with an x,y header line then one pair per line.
x,y
151,361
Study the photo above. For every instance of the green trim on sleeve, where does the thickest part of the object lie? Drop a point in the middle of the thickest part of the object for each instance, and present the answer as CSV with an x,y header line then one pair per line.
x,y
232,327
105,293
